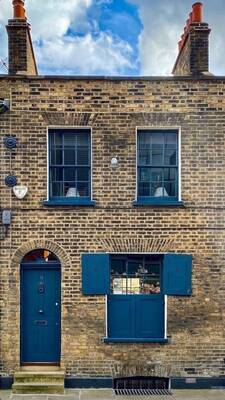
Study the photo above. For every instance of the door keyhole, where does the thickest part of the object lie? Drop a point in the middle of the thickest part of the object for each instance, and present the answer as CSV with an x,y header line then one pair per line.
x,y
41,287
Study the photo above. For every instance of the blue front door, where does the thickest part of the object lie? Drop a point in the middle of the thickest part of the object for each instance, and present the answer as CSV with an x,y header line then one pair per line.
x,y
40,313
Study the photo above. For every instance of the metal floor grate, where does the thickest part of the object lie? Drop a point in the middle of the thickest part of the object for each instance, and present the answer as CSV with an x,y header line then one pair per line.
x,y
143,392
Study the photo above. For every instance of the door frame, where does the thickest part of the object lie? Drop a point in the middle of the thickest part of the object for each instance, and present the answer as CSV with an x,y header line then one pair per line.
x,y
37,265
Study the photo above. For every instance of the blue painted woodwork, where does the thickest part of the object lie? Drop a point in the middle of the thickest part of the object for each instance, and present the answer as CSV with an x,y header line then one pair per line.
x,y
70,202
121,316
135,316
157,201
177,270
135,340
149,312
95,274
40,312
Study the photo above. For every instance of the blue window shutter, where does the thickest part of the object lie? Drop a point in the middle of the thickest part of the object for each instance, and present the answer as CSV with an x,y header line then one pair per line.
x,y
95,273
121,316
176,276
149,312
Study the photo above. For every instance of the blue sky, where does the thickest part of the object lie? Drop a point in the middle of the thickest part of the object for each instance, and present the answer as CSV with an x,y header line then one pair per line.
x,y
113,37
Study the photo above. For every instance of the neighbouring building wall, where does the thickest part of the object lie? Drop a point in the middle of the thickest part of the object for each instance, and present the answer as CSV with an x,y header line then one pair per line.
x,y
114,108
193,55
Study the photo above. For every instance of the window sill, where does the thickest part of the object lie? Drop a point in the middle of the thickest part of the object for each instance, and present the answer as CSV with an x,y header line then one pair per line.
x,y
135,340
55,203
158,202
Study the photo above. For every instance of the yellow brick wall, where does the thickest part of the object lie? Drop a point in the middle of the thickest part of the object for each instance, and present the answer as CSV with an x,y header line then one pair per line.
x,y
114,108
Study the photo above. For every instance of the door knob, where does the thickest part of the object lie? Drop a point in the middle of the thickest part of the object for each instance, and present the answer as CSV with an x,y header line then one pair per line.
x,y
41,311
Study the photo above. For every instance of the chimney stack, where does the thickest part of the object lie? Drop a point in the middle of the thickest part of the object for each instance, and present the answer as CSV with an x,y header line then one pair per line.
x,y
193,47
20,47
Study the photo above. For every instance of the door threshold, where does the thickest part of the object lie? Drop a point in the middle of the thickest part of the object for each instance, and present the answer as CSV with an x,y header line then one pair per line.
x,y
40,367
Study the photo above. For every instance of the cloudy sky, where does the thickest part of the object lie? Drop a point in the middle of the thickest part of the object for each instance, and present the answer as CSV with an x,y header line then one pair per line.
x,y
113,37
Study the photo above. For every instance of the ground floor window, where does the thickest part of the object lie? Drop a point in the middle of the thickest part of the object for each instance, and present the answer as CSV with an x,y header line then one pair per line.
x,y
136,288
136,274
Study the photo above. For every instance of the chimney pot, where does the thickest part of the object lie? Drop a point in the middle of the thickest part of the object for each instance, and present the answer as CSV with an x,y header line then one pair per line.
x,y
18,9
197,13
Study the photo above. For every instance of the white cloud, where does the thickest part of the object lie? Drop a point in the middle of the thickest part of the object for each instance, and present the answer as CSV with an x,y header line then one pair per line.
x,y
58,53
85,55
52,18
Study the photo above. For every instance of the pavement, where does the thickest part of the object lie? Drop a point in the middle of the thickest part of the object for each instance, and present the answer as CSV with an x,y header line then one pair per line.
x,y
108,394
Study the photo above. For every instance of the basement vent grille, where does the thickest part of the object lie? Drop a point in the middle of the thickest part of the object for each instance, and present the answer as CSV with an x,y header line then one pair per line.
x,y
142,385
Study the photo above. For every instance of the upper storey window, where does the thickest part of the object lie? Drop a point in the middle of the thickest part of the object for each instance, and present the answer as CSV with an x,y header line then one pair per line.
x,y
157,166
70,165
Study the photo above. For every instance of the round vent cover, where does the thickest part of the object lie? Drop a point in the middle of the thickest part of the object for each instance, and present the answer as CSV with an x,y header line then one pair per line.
x,y
10,142
10,180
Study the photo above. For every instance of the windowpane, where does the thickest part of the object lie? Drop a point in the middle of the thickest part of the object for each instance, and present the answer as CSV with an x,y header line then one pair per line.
x,y
144,157
58,139
82,188
170,140
144,174
170,174
170,157
56,174
118,270
52,157
118,267
82,174
69,174
58,157
156,174
82,139
69,156
157,140
133,267
69,139
57,189
170,188
144,189
82,156
52,174
144,140
157,156
151,280
51,140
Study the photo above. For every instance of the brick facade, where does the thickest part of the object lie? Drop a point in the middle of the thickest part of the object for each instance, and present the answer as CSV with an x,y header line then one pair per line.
x,y
113,108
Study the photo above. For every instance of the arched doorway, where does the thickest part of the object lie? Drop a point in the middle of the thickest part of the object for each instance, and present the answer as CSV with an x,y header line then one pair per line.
x,y
40,291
